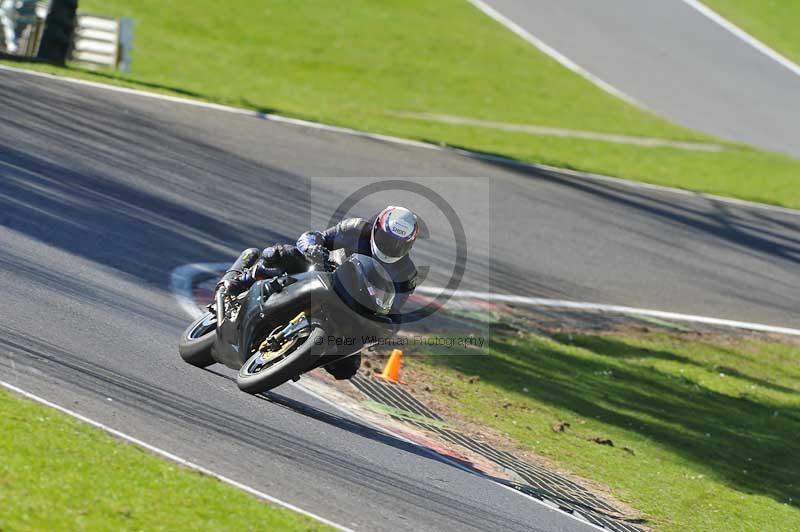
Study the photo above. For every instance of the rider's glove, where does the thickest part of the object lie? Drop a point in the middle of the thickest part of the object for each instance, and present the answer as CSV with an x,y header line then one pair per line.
x,y
317,254
308,239
236,283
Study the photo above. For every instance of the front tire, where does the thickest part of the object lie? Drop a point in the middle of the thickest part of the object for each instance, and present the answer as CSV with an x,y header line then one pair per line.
x,y
252,379
197,340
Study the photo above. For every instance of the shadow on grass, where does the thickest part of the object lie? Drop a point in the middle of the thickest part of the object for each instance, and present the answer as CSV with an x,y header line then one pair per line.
x,y
752,446
621,350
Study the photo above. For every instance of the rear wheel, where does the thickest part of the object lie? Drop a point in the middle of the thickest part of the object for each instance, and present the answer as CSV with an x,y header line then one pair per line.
x,y
196,341
264,371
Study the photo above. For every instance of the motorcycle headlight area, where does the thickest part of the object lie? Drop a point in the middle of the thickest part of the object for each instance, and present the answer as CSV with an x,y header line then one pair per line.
x,y
362,282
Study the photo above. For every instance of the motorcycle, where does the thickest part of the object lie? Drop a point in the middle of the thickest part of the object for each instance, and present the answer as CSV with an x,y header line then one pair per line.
x,y
288,325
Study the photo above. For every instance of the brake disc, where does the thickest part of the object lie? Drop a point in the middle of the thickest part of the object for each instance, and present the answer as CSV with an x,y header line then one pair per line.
x,y
270,355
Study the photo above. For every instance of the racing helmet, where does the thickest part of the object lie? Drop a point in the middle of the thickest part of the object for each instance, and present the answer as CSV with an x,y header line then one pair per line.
x,y
393,234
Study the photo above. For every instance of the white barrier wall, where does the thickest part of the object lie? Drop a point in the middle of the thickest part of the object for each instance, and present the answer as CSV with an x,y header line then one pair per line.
x,y
102,41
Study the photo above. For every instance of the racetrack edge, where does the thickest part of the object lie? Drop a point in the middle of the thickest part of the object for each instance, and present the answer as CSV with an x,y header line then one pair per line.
x,y
463,152
170,456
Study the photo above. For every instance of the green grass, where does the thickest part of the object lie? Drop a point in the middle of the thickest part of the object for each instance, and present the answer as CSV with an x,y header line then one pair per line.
x,y
358,63
714,428
773,22
59,474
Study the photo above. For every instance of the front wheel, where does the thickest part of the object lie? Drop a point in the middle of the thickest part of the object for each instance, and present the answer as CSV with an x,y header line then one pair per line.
x,y
196,341
264,371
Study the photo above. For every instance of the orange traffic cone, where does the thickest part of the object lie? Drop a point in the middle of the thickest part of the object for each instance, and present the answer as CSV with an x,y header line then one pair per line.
x,y
392,370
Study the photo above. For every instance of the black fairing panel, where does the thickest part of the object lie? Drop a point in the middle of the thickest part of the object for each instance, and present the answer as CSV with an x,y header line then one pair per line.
x,y
264,308
263,311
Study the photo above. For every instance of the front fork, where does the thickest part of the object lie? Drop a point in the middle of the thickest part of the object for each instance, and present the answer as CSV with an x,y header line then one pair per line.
x,y
220,306
295,325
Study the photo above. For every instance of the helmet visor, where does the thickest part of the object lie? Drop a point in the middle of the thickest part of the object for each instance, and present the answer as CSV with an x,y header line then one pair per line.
x,y
390,245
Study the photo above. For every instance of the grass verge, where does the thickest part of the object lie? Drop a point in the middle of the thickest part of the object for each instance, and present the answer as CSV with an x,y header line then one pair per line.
x,y
59,474
773,22
704,433
358,64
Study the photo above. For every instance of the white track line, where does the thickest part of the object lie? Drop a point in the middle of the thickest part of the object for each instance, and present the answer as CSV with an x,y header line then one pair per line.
x,y
598,307
744,36
172,457
181,287
553,53
405,142
224,108
559,132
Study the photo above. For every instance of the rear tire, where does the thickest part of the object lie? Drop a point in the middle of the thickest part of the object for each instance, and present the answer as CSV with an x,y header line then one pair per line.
x,y
197,340
295,363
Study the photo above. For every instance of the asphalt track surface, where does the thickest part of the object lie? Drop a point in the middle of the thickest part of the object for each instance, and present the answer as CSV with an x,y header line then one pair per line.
x,y
103,194
675,61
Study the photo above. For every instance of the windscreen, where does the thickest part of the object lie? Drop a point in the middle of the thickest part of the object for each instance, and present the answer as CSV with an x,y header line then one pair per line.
x,y
363,280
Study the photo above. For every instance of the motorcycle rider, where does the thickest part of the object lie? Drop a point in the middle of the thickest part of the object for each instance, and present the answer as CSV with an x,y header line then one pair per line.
x,y
388,237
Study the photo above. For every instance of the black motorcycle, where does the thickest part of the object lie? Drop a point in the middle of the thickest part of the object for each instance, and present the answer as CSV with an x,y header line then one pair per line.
x,y
287,325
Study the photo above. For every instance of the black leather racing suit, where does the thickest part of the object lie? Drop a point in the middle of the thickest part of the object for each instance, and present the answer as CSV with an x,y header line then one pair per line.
x,y
353,236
